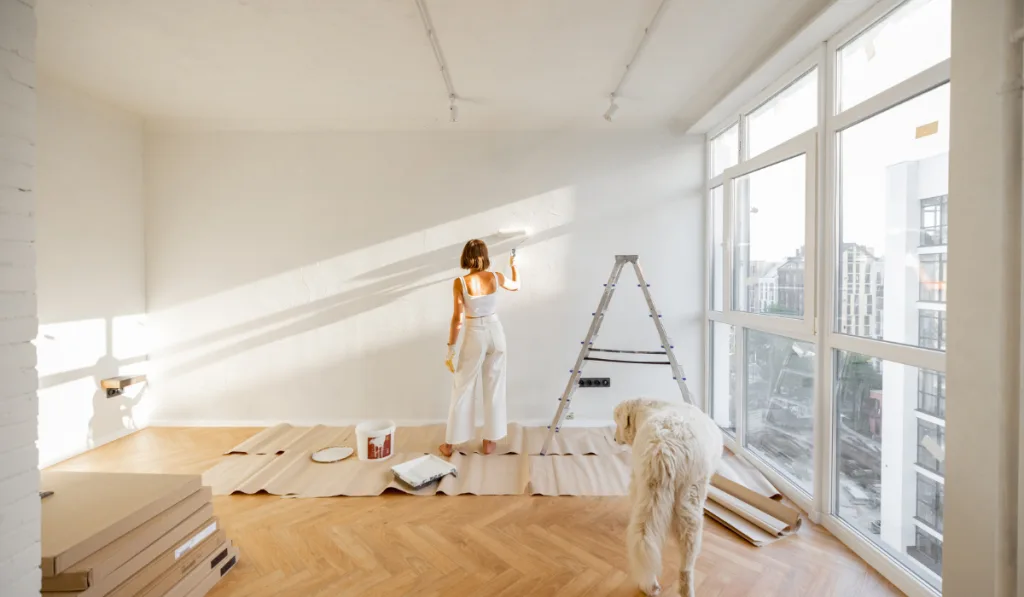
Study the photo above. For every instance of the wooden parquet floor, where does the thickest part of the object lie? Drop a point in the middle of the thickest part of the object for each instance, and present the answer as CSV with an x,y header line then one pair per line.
x,y
470,546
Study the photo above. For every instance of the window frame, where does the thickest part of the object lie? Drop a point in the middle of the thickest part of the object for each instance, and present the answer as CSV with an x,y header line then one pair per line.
x,y
825,288
801,329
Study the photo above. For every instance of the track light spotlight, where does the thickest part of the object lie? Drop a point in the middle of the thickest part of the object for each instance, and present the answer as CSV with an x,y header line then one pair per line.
x,y
612,108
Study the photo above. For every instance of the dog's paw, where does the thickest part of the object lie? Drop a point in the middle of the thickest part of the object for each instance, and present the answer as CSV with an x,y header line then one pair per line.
x,y
650,587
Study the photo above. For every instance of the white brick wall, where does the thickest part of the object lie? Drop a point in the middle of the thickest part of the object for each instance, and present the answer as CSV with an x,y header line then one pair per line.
x,y
19,407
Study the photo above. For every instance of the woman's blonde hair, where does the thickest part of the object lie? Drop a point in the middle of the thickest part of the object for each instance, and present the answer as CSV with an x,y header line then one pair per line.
x,y
474,255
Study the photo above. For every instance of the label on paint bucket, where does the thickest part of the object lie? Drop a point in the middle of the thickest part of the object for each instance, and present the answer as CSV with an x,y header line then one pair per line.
x,y
378,447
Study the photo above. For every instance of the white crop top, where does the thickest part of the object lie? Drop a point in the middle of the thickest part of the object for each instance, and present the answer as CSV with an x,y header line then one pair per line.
x,y
481,305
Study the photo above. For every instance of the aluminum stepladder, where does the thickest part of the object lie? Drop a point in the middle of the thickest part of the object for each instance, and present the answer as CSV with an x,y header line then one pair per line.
x,y
595,325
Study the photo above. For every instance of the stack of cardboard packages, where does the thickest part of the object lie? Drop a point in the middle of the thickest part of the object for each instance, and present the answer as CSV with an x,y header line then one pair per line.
x,y
128,535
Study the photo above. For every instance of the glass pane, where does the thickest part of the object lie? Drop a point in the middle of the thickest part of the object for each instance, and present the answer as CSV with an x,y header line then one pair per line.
x,y
891,275
717,247
768,270
931,393
723,376
891,457
779,402
725,150
911,39
791,112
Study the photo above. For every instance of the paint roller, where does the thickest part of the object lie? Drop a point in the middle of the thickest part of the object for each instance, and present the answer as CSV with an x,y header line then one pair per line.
x,y
521,233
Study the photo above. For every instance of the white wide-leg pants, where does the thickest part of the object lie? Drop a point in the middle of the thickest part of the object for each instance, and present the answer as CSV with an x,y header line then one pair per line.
x,y
482,357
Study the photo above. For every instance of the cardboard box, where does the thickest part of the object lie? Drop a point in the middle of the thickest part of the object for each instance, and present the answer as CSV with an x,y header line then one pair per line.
x,y
101,564
88,511
214,576
168,570
223,559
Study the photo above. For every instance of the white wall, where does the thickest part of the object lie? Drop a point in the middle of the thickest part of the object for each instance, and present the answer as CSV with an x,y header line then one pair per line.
x,y
90,268
984,301
19,475
307,277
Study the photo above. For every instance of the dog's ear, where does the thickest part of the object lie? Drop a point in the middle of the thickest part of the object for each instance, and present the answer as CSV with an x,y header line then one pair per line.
x,y
629,421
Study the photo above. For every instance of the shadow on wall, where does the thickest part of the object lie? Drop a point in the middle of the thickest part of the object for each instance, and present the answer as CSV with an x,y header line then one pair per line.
x,y
360,332
66,428
378,381
391,282
228,209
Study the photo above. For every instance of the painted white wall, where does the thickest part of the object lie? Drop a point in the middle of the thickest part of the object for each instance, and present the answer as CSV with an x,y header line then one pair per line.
x,y
984,301
90,269
307,277
19,475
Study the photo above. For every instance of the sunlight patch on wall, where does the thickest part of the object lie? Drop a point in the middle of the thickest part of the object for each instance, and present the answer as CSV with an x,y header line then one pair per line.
x,y
130,338
354,303
65,415
70,345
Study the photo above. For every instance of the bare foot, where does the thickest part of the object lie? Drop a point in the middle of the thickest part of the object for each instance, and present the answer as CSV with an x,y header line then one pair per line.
x,y
489,446
446,450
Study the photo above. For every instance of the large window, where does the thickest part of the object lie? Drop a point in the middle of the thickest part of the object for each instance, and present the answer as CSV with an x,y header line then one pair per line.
x,y
791,112
884,169
828,336
769,239
780,404
913,38
762,357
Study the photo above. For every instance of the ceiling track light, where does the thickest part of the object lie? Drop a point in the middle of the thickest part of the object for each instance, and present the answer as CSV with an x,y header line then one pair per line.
x,y
435,44
648,31
612,109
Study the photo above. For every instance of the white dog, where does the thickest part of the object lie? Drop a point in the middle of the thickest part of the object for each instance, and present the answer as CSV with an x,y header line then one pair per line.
x,y
676,450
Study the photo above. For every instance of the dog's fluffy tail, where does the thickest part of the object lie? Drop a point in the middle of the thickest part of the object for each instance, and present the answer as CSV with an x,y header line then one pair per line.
x,y
663,465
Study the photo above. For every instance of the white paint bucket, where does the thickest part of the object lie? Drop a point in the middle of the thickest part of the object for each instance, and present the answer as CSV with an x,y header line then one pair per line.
x,y
375,440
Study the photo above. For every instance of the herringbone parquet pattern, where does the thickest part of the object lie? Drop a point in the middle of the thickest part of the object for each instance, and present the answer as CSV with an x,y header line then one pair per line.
x,y
397,545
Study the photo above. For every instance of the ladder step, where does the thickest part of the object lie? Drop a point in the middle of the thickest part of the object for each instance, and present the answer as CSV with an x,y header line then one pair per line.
x,y
628,351
627,362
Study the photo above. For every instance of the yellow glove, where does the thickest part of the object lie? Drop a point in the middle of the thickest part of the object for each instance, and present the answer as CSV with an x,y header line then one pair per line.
x,y
449,361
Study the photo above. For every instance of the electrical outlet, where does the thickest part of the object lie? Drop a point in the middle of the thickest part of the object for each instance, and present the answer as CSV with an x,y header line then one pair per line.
x,y
570,416
595,382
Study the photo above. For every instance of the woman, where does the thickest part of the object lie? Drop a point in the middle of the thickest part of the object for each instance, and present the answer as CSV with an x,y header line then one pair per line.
x,y
483,349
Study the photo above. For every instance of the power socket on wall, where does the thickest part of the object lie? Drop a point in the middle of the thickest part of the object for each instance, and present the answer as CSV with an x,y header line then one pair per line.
x,y
595,382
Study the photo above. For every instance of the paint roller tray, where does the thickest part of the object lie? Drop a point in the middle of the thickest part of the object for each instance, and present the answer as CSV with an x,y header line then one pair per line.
x,y
423,470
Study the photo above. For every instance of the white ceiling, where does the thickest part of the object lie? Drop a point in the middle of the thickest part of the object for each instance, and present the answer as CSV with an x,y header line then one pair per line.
x,y
367,64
